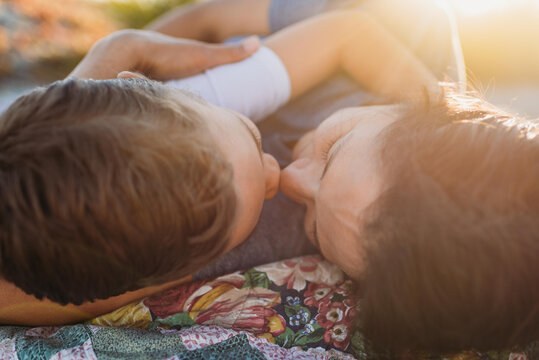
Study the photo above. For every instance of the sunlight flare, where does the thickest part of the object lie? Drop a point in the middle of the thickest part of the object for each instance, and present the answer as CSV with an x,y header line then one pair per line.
x,y
475,7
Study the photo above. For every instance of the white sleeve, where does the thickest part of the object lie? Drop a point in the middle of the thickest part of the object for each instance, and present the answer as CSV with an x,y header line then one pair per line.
x,y
254,87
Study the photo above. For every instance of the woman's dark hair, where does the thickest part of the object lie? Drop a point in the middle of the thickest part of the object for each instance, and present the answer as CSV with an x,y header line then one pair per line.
x,y
107,187
453,244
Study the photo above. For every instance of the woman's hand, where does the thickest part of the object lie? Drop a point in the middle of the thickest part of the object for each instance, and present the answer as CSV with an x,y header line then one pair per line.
x,y
157,56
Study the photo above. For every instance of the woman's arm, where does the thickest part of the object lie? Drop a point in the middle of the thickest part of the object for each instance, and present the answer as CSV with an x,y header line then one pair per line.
x,y
215,21
352,41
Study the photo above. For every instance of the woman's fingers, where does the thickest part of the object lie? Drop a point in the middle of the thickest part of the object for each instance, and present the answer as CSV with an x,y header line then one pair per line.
x,y
130,75
173,58
157,56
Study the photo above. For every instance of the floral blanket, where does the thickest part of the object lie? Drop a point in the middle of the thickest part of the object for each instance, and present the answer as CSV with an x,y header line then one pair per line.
x,y
295,309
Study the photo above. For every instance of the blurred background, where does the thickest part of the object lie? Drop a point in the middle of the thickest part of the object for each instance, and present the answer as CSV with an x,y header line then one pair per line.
x,y
42,40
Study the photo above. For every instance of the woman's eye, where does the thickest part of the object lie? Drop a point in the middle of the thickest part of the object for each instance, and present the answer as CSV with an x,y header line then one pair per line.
x,y
341,125
327,147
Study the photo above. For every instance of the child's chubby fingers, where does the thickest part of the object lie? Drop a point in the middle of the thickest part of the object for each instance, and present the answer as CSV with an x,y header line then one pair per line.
x,y
179,58
131,75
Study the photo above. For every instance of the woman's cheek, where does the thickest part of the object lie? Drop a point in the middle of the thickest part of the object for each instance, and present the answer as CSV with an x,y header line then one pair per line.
x,y
309,224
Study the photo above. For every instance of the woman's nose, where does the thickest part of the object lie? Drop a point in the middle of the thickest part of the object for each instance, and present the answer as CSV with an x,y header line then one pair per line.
x,y
299,181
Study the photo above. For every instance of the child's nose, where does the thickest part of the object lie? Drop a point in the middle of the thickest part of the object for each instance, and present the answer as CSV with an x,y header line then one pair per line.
x,y
272,173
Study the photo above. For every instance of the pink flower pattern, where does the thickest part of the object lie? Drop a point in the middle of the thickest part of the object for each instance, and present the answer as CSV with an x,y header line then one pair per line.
x,y
337,317
297,309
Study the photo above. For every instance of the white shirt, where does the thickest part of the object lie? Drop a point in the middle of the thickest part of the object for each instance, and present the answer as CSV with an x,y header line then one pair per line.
x,y
254,87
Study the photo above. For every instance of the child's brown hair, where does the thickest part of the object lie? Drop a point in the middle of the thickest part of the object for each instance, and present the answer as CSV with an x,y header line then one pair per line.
x,y
107,187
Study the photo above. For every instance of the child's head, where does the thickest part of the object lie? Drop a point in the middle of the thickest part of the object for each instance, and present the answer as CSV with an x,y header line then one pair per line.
x,y
452,246
110,186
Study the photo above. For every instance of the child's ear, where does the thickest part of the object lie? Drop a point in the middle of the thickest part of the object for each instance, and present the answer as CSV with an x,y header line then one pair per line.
x,y
130,75
272,173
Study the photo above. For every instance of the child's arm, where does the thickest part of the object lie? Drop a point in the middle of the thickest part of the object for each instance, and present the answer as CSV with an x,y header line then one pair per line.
x,y
350,40
215,21
304,55
313,49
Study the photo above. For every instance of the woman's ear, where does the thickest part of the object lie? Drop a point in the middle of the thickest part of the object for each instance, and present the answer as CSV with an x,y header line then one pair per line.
x,y
272,174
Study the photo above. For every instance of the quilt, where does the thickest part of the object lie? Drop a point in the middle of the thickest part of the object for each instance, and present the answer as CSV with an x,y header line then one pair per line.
x,y
301,308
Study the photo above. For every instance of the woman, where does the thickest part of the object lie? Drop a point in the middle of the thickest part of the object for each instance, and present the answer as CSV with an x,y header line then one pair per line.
x,y
434,212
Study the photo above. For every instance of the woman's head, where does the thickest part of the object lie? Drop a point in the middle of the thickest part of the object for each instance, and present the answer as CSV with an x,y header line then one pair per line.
x,y
336,173
110,186
446,245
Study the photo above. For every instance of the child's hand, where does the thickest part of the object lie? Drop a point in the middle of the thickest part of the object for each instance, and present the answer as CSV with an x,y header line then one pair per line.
x,y
157,56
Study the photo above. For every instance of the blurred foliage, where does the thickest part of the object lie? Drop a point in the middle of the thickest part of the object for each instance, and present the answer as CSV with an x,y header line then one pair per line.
x,y
44,39
48,37
35,32
138,13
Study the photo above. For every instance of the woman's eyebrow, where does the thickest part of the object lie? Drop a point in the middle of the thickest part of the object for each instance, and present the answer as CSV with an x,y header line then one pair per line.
x,y
338,147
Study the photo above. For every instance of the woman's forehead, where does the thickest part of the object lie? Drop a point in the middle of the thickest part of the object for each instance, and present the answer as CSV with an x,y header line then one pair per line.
x,y
363,113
